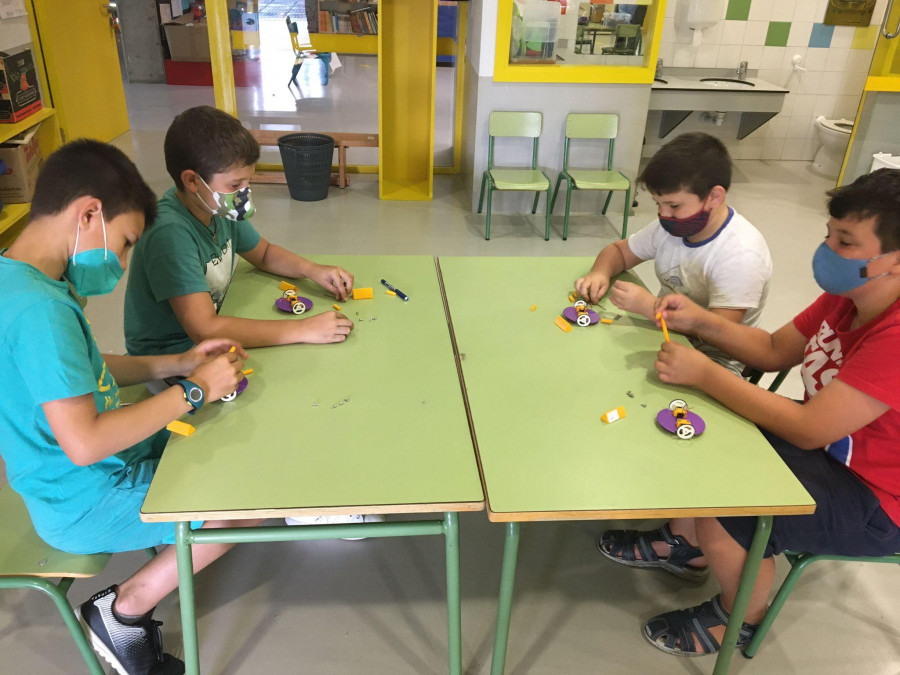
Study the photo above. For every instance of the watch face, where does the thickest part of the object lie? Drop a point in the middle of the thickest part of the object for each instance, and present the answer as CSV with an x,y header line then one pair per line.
x,y
195,395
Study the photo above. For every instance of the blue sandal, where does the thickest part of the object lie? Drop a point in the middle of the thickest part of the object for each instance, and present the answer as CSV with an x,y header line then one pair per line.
x,y
619,546
674,632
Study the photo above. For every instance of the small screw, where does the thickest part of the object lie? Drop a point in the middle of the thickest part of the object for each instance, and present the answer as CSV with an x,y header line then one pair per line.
x,y
643,405
334,406
374,318
630,394
43,562
315,405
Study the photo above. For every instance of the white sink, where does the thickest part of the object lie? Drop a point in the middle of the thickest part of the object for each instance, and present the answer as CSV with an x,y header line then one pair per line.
x,y
726,83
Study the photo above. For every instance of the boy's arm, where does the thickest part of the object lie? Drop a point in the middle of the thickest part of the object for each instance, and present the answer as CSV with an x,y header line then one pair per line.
x,y
197,315
87,436
278,260
128,370
834,412
612,260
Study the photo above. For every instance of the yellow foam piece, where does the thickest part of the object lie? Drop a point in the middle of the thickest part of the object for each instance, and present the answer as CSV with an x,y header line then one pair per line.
x,y
533,307
232,350
571,298
337,307
286,286
363,293
180,428
564,325
606,320
249,371
391,293
613,415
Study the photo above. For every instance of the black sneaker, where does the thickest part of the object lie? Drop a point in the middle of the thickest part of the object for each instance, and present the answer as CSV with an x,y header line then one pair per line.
x,y
131,649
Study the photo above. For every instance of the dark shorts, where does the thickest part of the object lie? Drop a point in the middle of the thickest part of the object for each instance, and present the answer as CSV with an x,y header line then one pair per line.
x,y
848,519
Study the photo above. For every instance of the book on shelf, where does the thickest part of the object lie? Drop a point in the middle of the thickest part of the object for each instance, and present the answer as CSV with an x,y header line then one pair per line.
x,y
353,17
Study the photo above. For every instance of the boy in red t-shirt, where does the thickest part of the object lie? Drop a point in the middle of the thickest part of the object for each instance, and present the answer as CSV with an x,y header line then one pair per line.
x,y
841,442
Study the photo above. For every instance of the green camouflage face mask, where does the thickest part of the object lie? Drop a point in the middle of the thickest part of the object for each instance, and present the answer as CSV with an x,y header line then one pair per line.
x,y
236,205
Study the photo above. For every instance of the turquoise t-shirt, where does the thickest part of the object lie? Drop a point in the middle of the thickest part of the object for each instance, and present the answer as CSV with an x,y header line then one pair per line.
x,y
48,353
178,255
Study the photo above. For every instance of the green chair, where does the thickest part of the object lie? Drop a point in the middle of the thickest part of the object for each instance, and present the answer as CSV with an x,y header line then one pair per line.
x,y
597,126
754,376
580,39
628,40
515,125
799,562
27,562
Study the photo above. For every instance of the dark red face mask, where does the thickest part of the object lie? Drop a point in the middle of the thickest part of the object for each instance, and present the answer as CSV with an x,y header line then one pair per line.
x,y
686,227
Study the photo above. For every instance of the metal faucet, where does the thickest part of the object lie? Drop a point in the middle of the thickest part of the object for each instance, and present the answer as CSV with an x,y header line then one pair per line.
x,y
742,70
659,68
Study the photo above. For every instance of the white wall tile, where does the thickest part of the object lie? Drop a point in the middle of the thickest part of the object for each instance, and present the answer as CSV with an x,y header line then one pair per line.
x,y
755,34
799,35
782,10
812,147
804,105
846,107
858,61
794,148
836,60
772,148
787,105
809,82
799,127
853,84
778,126
666,52
683,57
772,57
789,54
821,6
832,83
733,33
761,10
842,37
713,34
706,56
815,58
770,75
878,14
670,8
668,32
805,10
825,105
729,56
752,54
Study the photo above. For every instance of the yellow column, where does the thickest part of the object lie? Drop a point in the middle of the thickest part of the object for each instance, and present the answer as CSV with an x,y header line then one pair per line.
x,y
407,44
220,55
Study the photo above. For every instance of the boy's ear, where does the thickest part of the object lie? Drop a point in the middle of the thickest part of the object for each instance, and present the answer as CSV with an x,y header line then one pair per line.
x,y
191,180
716,197
88,210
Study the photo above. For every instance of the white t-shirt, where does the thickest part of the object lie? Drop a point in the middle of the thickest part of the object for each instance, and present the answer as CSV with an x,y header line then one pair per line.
x,y
730,270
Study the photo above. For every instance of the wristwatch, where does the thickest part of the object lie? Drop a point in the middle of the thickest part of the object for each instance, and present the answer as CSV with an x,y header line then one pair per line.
x,y
193,394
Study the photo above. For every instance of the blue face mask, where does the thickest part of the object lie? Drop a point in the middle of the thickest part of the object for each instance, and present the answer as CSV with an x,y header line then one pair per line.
x,y
95,271
838,275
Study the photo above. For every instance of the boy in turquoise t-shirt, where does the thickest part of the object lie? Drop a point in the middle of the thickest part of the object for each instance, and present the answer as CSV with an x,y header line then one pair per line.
x,y
182,268
81,462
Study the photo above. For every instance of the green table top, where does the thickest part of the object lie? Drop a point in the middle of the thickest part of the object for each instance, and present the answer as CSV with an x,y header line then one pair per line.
x,y
401,443
536,394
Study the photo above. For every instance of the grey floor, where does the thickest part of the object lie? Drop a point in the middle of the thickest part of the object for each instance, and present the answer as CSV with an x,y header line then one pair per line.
x,y
377,607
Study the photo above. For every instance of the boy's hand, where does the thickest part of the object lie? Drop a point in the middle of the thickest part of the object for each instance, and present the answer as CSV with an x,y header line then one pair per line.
x,y
681,313
592,286
632,298
325,328
206,350
680,364
219,376
333,279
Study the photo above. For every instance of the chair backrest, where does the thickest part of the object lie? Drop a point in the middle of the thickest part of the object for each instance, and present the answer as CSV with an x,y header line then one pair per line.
x,y
591,125
627,30
507,124
628,38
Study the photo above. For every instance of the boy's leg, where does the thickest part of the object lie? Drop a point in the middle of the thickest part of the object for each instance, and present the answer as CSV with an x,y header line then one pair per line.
x,y
683,528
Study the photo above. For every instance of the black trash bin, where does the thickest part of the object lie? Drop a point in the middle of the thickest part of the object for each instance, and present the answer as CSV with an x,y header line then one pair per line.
x,y
307,165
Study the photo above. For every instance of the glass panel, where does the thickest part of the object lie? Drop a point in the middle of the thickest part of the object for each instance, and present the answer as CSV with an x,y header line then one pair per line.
x,y
579,32
876,132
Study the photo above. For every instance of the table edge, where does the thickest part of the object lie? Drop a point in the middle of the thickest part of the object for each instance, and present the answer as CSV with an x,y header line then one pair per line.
x,y
633,514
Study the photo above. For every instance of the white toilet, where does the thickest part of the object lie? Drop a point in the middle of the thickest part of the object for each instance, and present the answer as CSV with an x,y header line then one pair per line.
x,y
834,135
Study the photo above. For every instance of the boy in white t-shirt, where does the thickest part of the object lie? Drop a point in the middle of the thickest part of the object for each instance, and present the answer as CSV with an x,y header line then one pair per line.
x,y
700,246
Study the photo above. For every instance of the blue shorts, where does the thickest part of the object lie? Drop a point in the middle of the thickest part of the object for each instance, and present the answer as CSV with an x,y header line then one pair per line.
x,y
113,526
848,519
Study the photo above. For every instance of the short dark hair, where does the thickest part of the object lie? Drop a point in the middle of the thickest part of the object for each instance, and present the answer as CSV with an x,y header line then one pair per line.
x,y
873,194
208,141
694,162
86,167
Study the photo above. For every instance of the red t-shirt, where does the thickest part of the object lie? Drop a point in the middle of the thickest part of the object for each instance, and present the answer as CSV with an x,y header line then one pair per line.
x,y
866,359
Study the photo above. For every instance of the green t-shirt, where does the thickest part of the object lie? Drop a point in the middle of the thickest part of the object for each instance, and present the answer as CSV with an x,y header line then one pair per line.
x,y
177,256
48,353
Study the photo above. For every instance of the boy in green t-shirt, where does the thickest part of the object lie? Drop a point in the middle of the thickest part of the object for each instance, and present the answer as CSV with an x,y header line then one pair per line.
x,y
181,270
82,463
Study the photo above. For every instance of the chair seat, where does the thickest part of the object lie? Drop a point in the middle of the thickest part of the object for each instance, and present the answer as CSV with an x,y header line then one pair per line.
x,y
588,179
24,553
519,179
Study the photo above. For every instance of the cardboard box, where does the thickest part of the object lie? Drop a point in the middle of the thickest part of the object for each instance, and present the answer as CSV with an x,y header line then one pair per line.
x,y
188,38
19,94
22,155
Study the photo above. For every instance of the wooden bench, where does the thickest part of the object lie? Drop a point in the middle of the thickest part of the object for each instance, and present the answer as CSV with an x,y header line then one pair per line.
x,y
342,141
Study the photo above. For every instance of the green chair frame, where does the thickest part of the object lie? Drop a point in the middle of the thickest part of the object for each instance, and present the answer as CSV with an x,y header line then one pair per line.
x,y
27,562
799,562
628,40
515,125
754,376
593,126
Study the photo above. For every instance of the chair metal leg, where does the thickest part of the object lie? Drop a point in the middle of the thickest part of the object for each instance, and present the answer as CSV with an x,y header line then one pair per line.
x,y
569,188
487,224
627,209
555,192
537,196
547,217
606,203
481,198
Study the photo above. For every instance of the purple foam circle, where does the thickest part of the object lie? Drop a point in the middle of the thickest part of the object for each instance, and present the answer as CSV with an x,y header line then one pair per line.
x,y
571,314
666,420
285,305
242,385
